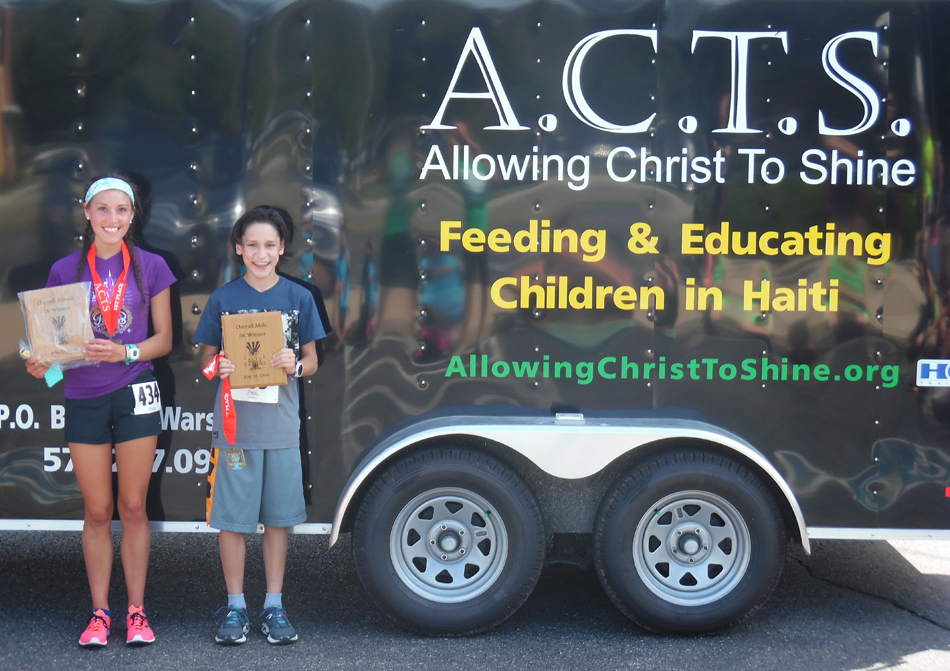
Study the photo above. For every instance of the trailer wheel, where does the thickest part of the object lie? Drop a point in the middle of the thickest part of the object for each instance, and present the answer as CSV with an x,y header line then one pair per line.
x,y
690,543
449,542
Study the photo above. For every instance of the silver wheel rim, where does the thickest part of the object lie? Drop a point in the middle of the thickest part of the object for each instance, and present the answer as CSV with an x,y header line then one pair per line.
x,y
691,548
448,545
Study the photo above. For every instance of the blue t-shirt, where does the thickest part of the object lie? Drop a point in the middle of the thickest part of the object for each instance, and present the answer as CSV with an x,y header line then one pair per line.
x,y
262,426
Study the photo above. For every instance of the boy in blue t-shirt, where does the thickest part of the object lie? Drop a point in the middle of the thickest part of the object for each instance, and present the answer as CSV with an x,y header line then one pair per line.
x,y
259,480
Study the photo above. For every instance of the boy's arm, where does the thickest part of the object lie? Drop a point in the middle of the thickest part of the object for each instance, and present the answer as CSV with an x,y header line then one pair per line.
x,y
208,352
308,357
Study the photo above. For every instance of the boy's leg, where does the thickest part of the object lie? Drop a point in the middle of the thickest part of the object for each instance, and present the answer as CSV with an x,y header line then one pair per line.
x,y
275,557
233,551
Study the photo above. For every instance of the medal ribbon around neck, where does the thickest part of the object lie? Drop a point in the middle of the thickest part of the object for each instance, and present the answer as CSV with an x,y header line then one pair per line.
x,y
227,400
110,308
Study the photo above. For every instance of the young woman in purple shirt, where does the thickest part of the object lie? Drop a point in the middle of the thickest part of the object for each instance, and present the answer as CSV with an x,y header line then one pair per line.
x,y
115,403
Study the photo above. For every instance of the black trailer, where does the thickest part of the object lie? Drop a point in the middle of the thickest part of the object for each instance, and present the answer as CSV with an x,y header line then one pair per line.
x,y
657,284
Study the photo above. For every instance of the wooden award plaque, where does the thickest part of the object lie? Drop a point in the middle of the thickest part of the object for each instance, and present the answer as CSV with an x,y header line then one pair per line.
x,y
57,321
250,340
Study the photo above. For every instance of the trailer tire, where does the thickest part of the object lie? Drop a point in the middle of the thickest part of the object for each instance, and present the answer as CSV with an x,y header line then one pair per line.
x,y
689,543
449,542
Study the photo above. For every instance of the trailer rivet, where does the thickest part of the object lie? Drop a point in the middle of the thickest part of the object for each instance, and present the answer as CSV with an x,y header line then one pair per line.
x,y
192,57
537,349
423,59
193,92
679,533
537,205
768,100
307,22
423,384
77,55
195,310
307,58
422,206
192,19
539,60
432,542
79,125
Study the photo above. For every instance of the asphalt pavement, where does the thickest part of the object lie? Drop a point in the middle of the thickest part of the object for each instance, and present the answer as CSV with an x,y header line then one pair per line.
x,y
851,605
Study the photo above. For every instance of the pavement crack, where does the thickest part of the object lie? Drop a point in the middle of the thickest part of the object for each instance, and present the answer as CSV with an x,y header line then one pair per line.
x,y
893,602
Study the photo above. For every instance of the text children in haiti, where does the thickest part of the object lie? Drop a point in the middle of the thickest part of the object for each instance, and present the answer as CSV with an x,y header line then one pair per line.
x,y
256,476
116,403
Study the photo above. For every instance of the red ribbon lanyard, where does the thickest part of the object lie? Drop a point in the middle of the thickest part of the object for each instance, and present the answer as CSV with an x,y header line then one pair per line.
x,y
109,308
227,402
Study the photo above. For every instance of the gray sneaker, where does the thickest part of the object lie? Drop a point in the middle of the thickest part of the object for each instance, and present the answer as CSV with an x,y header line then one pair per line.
x,y
275,624
234,625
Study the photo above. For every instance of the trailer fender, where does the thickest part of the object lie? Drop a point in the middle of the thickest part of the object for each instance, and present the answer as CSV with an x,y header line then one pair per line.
x,y
566,445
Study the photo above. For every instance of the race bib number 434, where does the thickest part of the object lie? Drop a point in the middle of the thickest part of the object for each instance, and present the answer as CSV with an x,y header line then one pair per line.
x,y
147,398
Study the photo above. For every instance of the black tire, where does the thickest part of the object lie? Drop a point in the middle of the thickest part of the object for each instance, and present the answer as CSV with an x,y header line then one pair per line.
x,y
689,543
449,542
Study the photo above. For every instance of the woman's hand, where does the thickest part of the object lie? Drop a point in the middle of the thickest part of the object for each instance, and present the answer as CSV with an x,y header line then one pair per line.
x,y
36,368
100,349
284,358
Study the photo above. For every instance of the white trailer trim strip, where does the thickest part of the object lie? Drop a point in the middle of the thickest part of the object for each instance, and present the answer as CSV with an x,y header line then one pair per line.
x,y
840,533
176,527
567,447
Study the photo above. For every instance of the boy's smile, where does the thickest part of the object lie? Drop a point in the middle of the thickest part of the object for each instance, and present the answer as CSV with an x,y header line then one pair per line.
x,y
260,250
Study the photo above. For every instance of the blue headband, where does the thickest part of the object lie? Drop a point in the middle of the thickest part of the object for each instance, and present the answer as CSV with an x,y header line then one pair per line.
x,y
107,183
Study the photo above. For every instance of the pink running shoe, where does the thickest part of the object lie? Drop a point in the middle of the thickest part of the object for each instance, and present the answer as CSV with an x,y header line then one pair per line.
x,y
137,624
97,633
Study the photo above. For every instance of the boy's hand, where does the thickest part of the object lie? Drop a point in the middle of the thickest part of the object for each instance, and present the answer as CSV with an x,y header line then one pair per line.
x,y
284,358
225,368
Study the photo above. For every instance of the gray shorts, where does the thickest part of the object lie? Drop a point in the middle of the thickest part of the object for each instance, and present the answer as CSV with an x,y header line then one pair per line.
x,y
257,486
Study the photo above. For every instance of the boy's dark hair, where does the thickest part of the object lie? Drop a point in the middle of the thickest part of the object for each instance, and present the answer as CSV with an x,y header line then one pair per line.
x,y
259,215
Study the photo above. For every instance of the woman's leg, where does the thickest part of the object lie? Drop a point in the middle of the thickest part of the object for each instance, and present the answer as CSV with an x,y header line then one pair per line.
x,y
134,459
93,468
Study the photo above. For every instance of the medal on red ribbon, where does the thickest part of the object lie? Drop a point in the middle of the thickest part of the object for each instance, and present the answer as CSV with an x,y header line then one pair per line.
x,y
227,401
109,307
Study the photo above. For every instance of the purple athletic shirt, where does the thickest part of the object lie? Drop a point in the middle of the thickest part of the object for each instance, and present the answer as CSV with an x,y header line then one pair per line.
x,y
92,381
